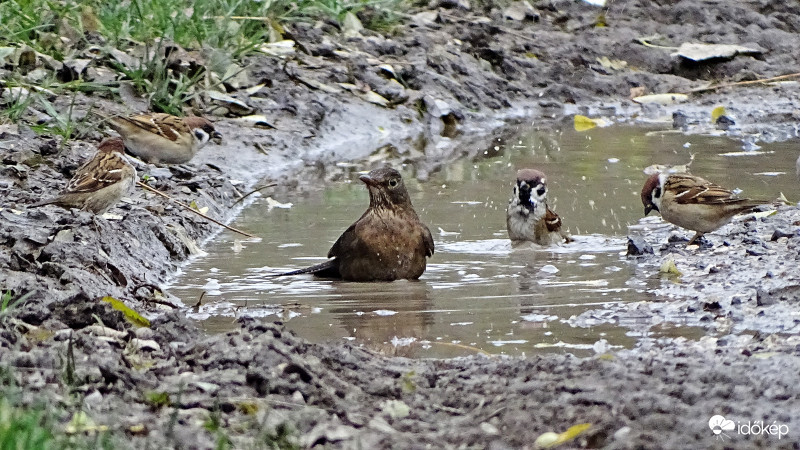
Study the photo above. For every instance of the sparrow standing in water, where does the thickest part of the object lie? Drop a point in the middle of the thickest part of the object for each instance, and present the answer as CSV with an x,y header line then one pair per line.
x,y
162,138
692,202
527,217
99,183
387,243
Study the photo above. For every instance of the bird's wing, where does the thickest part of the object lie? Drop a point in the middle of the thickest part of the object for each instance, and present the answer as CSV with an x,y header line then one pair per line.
x,y
344,243
695,190
167,126
97,173
427,238
552,220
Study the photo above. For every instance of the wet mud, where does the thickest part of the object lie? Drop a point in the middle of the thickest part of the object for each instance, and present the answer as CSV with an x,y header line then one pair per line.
x,y
469,72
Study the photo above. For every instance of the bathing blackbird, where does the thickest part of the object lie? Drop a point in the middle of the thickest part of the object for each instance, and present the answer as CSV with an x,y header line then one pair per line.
x,y
387,243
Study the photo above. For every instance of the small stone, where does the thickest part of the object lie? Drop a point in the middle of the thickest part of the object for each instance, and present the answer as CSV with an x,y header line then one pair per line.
x,y
765,298
637,246
519,11
680,121
777,234
489,429
724,122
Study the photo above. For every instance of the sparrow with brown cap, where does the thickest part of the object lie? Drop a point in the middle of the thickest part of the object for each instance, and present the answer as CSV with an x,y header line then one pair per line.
x,y
163,138
528,218
101,182
692,202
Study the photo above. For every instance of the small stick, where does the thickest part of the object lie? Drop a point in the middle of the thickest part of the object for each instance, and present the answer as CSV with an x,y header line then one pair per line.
x,y
180,203
252,192
742,83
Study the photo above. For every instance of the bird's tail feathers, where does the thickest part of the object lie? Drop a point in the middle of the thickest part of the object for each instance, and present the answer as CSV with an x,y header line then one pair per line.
x,y
49,201
327,269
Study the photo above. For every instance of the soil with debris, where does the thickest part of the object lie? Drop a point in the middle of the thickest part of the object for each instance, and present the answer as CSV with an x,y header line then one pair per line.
x,y
452,80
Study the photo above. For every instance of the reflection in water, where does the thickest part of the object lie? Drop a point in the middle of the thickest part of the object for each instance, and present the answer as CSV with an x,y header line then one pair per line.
x,y
401,310
478,295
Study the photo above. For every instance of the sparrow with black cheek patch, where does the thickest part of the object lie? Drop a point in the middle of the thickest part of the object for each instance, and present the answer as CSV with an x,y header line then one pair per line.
x,y
692,202
387,243
162,138
528,218
101,182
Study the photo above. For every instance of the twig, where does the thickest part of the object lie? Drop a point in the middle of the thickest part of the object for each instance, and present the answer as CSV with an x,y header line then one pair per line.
x,y
153,288
743,83
199,301
252,192
184,205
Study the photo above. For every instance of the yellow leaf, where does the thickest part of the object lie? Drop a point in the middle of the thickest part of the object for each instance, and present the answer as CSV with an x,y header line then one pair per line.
x,y
131,315
717,112
82,423
193,205
248,408
573,432
669,267
551,439
583,123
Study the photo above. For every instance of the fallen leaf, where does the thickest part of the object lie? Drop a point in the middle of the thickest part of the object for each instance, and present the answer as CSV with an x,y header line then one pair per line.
x,y
661,99
82,423
131,315
583,123
637,91
669,267
613,64
551,439
703,52
375,98
716,113
351,26
279,49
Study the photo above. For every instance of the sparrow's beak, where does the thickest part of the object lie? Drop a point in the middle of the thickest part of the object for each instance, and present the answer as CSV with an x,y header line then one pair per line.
x,y
216,137
368,180
649,208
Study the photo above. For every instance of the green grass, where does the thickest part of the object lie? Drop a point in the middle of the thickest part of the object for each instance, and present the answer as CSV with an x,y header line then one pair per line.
x,y
222,31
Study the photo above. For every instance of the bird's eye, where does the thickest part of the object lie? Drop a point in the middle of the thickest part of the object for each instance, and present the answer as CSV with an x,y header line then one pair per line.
x,y
392,183
541,191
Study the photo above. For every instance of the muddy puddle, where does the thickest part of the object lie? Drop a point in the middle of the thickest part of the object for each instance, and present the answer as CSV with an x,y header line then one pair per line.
x,y
478,295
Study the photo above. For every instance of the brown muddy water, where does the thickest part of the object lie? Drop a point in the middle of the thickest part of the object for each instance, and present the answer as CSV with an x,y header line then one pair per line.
x,y
477,295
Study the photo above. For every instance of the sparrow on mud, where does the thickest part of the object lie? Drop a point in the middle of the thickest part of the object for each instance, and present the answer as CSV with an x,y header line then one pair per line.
x,y
101,182
162,138
387,243
528,218
692,202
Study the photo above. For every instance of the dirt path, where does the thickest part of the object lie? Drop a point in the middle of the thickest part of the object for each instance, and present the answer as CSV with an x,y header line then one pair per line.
x,y
465,73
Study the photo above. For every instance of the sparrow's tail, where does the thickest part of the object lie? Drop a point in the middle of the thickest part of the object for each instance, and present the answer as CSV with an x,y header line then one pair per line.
x,y
327,269
43,202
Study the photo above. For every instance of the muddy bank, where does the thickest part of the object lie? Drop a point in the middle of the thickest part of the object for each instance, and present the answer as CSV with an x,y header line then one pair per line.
x,y
462,70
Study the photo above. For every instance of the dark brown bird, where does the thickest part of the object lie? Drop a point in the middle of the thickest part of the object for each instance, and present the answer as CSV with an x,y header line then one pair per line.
x,y
101,182
387,243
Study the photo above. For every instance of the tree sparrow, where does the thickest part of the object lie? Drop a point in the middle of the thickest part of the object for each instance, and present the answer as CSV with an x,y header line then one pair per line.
x,y
101,182
692,202
162,138
387,243
528,217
